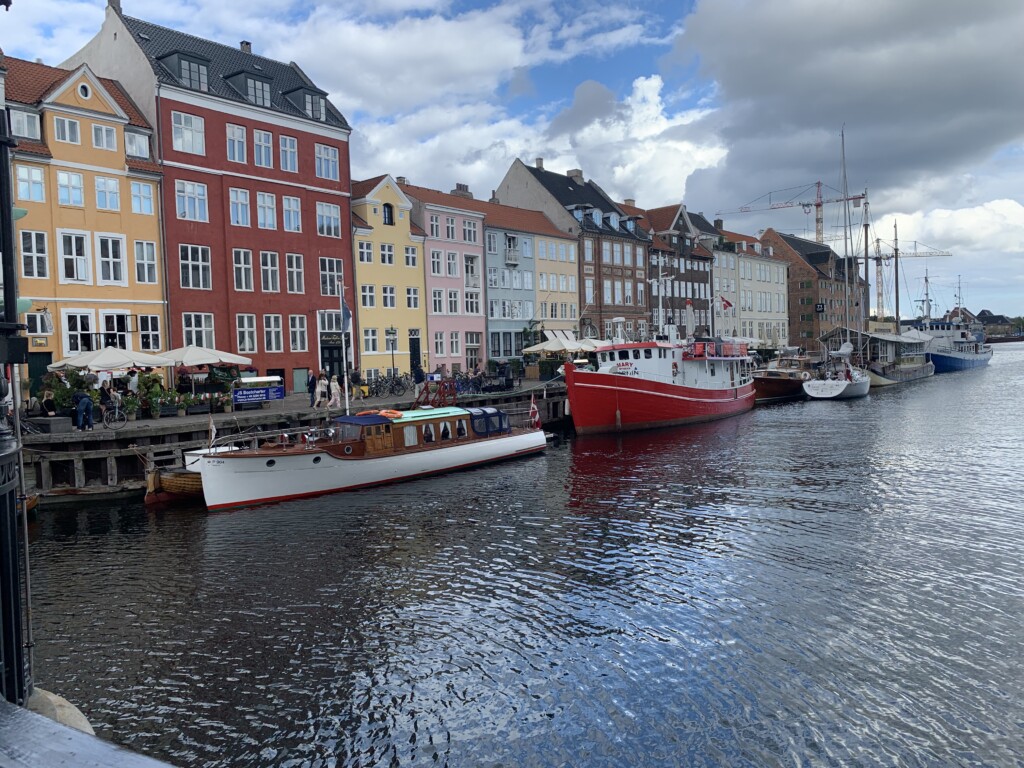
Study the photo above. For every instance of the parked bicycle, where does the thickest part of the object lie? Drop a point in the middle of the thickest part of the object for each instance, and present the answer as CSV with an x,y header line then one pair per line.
x,y
115,417
383,386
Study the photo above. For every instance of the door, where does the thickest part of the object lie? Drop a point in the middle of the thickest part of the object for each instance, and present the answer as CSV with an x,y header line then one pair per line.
x,y
414,350
331,360
37,362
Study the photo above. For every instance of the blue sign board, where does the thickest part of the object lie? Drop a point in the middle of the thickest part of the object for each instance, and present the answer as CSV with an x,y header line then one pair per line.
x,y
256,394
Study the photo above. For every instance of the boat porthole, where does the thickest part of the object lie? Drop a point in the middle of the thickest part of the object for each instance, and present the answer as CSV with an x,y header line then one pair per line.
x,y
805,376
316,459
271,462
348,450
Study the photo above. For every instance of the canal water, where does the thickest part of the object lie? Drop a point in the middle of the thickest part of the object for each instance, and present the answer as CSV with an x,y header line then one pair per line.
x,y
815,583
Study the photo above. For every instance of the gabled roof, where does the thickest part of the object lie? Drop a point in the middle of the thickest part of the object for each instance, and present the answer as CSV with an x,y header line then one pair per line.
x,y
663,219
702,224
816,255
29,83
496,215
361,189
224,61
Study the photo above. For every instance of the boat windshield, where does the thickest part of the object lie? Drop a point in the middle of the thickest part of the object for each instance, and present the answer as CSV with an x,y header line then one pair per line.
x,y
345,432
489,421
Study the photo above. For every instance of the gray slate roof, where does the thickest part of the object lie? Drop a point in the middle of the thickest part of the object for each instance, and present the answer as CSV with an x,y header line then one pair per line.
x,y
225,61
702,224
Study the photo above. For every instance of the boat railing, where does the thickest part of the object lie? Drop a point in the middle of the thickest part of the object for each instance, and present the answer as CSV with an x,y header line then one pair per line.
x,y
308,435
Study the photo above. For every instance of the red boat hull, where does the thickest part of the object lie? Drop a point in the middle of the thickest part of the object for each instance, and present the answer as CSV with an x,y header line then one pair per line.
x,y
608,402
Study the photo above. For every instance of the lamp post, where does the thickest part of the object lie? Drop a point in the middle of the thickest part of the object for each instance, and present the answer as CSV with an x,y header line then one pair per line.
x,y
391,335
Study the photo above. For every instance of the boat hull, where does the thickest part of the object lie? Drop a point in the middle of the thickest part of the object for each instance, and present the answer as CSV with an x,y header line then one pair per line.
x,y
947,362
887,376
837,389
775,389
244,478
608,402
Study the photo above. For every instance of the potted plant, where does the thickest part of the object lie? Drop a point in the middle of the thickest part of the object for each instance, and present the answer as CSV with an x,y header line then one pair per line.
x,y
197,403
182,403
130,405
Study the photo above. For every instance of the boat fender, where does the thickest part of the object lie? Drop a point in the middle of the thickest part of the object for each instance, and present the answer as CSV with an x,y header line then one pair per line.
x,y
675,368
805,376
348,450
391,414
367,413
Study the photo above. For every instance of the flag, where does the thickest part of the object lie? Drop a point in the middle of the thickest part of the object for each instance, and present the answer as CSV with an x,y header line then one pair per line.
x,y
534,413
726,304
213,427
346,315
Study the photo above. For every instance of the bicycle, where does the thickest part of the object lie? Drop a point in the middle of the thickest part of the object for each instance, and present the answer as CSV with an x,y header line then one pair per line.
x,y
114,417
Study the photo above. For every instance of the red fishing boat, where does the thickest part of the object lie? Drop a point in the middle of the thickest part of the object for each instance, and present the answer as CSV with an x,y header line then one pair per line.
x,y
640,385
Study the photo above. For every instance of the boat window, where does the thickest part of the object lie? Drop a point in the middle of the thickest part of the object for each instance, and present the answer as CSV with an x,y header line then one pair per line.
x,y
446,432
410,435
623,354
711,368
428,433
636,354
460,428
647,354
347,431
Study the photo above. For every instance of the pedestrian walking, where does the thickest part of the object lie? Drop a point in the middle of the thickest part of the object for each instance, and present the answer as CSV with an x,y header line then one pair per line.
x,y
419,379
335,401
311,387
356,381
323,390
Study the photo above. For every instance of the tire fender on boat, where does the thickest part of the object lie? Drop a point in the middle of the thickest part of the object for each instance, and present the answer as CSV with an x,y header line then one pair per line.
x,y
348,450
805,376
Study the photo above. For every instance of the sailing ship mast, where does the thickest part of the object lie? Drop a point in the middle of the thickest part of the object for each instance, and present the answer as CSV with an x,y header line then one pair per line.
x,y
896,272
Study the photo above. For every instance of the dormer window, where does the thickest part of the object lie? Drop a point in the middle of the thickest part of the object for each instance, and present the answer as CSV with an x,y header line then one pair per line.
x,y
389,214
25,124
613,220
596,216
136,145
257,91
316,107
578,214
194,74
631,225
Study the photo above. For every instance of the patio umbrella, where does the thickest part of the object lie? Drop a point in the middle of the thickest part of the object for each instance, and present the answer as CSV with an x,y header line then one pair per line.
x,y
110,359
555,345
191,355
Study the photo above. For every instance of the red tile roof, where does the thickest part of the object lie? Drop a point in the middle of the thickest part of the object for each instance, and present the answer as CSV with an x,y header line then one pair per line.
x,y
148,166
361,189
504,216
29,82
30,147
662,219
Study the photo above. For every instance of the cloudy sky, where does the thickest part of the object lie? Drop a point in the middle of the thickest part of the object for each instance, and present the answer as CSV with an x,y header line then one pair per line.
x,y
721,104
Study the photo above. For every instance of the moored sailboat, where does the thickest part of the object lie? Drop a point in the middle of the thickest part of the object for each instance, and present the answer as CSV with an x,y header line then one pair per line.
x,y
838,379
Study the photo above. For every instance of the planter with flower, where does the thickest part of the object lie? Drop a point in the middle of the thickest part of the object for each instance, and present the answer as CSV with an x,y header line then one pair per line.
x,y
130,405
198,404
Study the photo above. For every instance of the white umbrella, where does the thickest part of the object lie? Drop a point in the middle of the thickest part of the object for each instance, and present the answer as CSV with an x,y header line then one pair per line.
x,y
110,359
554,345
192,355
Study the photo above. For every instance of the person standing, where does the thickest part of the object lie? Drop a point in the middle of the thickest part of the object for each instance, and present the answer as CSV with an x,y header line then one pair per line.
x,y
323,390
311,387
357,383
419,378
335,401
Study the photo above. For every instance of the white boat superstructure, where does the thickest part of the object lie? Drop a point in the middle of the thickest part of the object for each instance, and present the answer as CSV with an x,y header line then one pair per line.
x,y
838,379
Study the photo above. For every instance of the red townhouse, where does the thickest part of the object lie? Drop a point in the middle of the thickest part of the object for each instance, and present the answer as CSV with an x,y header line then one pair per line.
x,y
256,193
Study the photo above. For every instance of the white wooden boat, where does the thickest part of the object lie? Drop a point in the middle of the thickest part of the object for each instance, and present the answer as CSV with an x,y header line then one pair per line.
x,y
838,380
350,452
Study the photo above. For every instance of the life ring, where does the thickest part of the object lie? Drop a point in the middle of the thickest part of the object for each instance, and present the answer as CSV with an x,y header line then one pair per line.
x,y
675,368
805,376
388,414
367,413
348,450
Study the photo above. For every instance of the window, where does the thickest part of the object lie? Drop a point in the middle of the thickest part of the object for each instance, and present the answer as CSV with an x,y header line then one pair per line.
x,y
297,333
115,329
104,137
435,225
33,254
606,252
145,262
239,207
435,263
453,302
270,272
188,133
25,124
136,144
388,212
257,91
449,227
328,219
387,253
108,194
78,327
412,298
291,214
289,154
410,256
367,296
453,264
191,200
469,231
142,198
69,188
111,253
194,75
437,301
74,251
331,277
66,130
365,252
262,149
454,344
30,184
316,107
245,332
236,143
198,329
296,273
387,296
472,302
439,343
327,162
243,269
266,210
492,277
369,339
149,333
195,267
273,338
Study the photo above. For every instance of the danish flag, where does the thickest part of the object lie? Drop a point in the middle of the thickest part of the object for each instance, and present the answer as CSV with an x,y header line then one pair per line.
x,y
534,413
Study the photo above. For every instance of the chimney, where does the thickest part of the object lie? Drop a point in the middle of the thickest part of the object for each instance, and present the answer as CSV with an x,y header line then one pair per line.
x,y
539,162
462,190
402,180
116,5
246,46
630,202
576,175
719,224
494,197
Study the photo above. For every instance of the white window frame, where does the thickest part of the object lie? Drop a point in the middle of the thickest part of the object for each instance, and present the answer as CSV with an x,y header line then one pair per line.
x,y
368,296
108,193
412,297
245,332
31,183
191,201
296,272
328,220
388,297
327,162
74,184
204,264
150,336
124,340
199,328
298,338
263,149
289,153
291,213
188,133
266,210
104,137
144,254
66,130
83,272
273,333
270,272
239,214
136,145
236,144
113,263
25,124
39,260
142,198
241,270
90,334
332,276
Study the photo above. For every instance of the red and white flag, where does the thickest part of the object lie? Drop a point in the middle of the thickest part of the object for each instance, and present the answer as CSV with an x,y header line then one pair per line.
x,y
534,413
726,304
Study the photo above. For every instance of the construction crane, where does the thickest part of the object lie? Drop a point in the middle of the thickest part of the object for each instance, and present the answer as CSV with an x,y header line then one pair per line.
x,y
895,255
817,204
